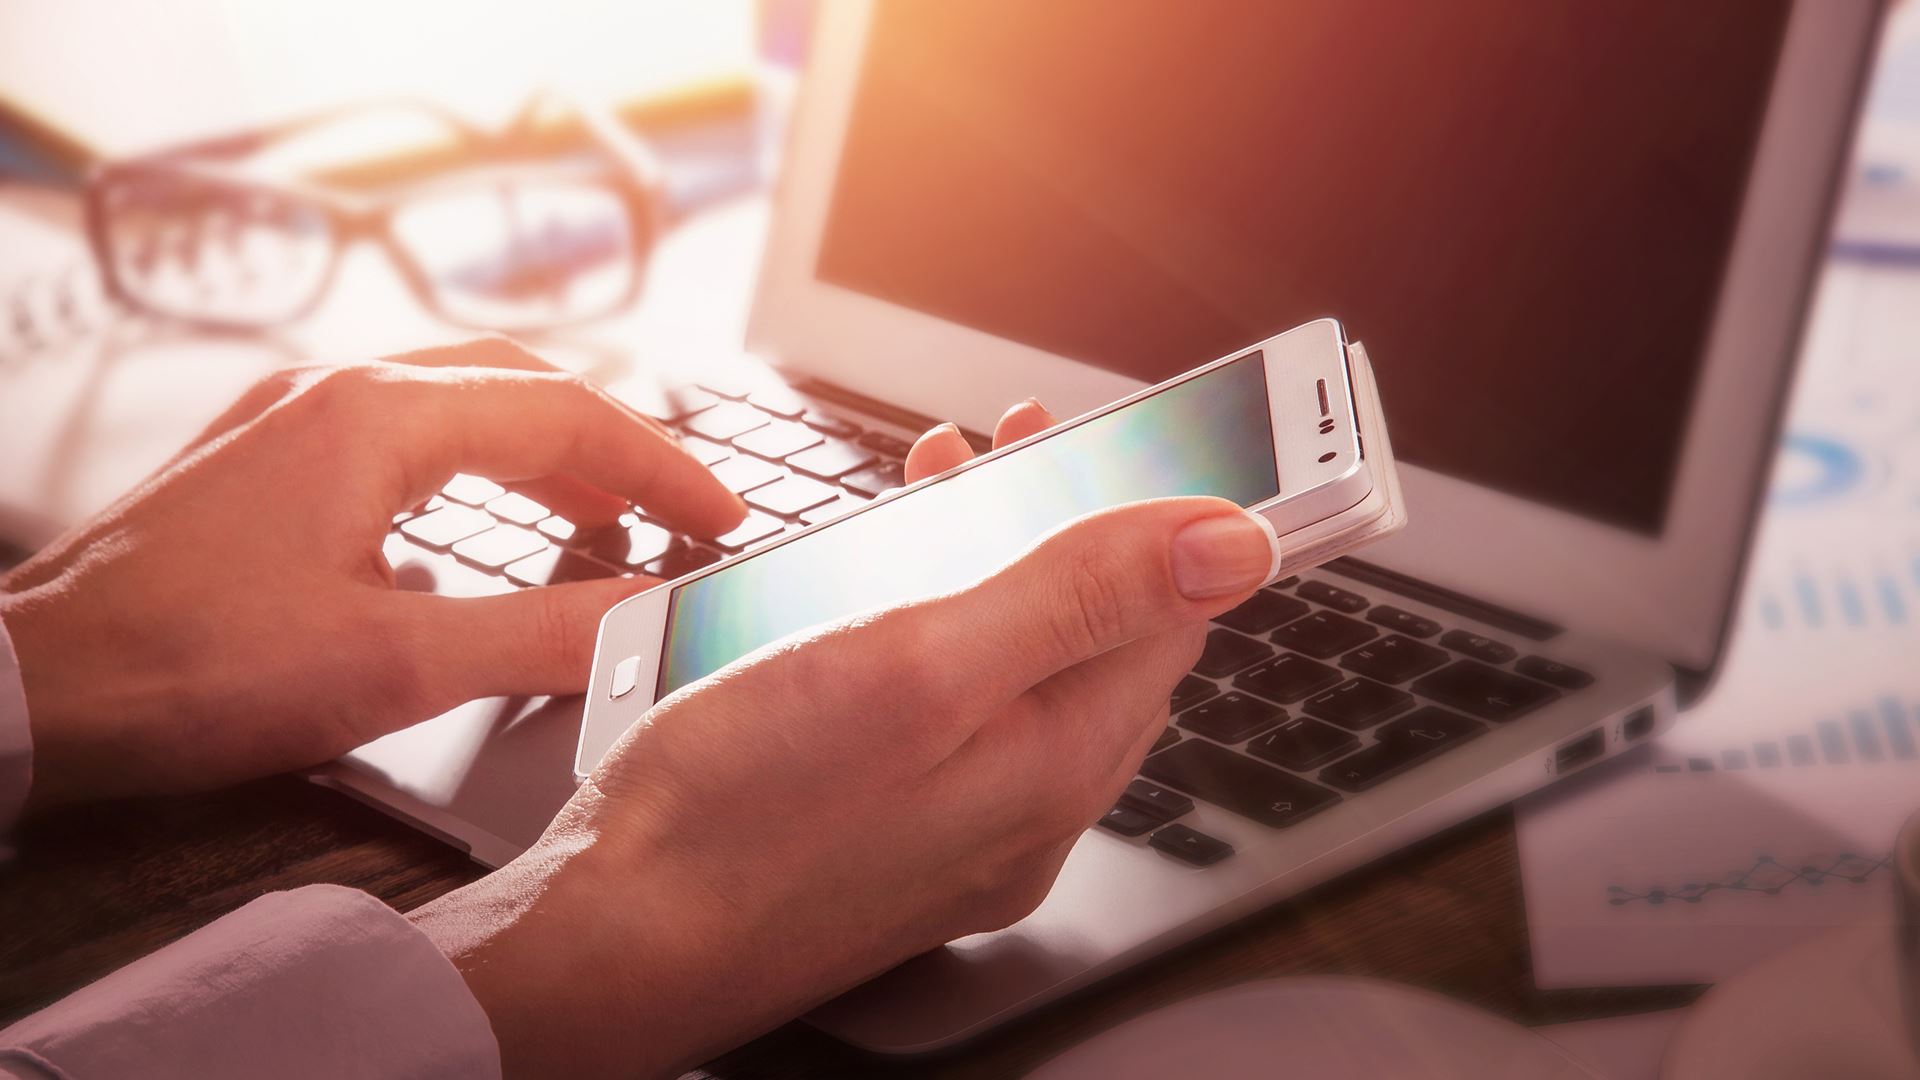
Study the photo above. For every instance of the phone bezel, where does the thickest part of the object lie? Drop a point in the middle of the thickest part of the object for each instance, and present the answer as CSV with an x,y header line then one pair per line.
x,y
1310,405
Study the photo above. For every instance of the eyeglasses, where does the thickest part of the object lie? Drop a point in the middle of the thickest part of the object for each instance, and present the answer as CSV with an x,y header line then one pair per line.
x,y
529,229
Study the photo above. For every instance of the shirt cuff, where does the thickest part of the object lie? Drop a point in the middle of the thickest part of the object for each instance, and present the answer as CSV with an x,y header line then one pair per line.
x,y
323,981
16,739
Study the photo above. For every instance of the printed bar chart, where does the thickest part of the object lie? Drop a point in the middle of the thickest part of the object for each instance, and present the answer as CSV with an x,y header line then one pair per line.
x,y
1863,735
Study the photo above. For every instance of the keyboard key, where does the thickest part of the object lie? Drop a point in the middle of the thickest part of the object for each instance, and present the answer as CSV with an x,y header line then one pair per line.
x,y
1228,652
1262,612
1553,671
561,531
447,526
415,569
1128,821
790,495
1189,846
1393,659
1302,744
779,401
756,528
1334,597
727,386
1287,582
830,510
1153,799
628,545
1287,678
1480,648
495,548
472,490
727,421
1406,622
1429,724
832,460
778,439
1232,717
1401,745
705,452
682,560
1357,704
1483,691
516,508
1212,772
556,566
876,480
672,405
830,425
886,444
1323,634
427,507
1167,738
742,474
1192,690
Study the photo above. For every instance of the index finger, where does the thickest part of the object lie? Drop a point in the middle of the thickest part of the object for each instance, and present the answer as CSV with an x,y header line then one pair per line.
x,y
512,425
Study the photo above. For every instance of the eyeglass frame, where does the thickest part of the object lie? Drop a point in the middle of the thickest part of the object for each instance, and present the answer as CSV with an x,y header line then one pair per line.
x,y
622,164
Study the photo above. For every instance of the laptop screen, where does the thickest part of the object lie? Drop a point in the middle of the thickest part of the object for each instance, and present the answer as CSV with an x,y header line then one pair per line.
x,y
1524,209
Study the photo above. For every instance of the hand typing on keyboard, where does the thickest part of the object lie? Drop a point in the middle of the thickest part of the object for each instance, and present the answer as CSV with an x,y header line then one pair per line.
x,y
235,617
813,815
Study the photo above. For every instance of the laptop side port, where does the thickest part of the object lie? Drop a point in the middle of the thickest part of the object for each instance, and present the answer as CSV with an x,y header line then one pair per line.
x,y
1638,725
1586,748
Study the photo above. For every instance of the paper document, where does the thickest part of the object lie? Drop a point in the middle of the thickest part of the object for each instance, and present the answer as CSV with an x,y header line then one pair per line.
x,y
1769,812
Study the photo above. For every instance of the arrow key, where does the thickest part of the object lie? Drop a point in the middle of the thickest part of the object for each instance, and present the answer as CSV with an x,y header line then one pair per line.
x,y
1190,846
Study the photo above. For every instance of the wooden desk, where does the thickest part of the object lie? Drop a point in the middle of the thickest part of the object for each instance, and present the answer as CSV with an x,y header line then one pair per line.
x,y
94,888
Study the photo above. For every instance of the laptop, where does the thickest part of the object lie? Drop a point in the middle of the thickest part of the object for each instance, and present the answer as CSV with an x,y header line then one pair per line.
x,y
1578,242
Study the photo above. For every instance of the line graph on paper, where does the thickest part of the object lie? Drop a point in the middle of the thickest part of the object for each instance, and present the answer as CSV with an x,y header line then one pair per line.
x,y
1767,876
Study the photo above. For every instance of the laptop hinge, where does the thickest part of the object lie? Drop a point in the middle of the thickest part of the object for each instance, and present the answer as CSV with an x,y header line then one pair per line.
x,y
1446,599
880,410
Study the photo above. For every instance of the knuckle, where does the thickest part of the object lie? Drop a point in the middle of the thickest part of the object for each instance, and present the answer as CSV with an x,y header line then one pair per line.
x,y
1092,610
342,387
495,347
554,634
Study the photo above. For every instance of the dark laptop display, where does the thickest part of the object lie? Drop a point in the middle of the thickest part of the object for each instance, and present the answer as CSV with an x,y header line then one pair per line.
x,y
1527,218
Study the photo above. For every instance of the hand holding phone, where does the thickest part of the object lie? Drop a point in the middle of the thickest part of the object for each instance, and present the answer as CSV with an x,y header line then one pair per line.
x,y
870,790
1289,428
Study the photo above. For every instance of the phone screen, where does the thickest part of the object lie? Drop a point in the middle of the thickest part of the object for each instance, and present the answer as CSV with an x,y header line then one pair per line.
x,y
1209,435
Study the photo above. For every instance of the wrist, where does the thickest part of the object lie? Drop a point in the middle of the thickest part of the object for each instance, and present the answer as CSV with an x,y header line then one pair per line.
x,y
545,946
73,758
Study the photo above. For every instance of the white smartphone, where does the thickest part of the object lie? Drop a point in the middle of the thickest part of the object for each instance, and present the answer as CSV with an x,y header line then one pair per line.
x,y
1273,427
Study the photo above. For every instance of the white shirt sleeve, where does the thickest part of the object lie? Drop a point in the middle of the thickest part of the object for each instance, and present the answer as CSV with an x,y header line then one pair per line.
x,y
323,981
16,740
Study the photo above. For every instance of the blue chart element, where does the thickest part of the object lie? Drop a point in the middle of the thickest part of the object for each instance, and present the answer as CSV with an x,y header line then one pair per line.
x,y
1817,468
1804,600
1767,876
1877,732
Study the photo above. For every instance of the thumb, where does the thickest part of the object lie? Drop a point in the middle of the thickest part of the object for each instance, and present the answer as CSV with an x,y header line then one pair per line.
x,y
1101,581
525,643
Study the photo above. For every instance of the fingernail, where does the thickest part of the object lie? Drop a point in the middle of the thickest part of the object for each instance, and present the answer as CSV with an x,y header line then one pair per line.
x,y
950,426
1226,553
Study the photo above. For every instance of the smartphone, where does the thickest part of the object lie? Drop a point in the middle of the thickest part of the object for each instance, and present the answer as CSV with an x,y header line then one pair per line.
x,y
1273,427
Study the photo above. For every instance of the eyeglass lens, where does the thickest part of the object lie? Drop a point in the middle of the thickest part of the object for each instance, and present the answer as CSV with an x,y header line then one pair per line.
x,y
521,252
191,247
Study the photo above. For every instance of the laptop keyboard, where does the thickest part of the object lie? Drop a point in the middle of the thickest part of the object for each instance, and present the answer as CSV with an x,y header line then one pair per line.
x,y
793,464
1307,693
